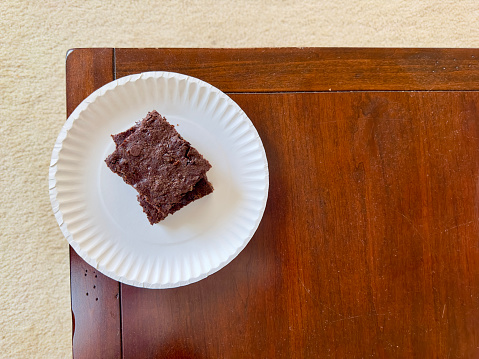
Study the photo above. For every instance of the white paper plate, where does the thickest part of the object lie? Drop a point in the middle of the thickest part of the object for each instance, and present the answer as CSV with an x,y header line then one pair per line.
x,y
99,214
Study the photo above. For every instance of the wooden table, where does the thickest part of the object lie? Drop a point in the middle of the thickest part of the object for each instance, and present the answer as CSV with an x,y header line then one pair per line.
x,y
369,245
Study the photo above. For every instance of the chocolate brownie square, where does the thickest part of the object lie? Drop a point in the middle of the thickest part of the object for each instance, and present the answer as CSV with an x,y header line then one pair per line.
x,y
165,169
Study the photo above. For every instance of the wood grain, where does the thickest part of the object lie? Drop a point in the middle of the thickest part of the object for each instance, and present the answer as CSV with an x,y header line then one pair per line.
x,y
95,297
369,243
312,69
368,246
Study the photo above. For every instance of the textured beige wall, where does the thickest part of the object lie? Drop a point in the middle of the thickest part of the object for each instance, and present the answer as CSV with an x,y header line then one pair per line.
x,y
34,36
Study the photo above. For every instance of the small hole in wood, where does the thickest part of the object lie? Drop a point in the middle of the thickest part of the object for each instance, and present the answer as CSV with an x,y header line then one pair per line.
x,y
94,286
96,276
86,270
85,274
96,299
87,293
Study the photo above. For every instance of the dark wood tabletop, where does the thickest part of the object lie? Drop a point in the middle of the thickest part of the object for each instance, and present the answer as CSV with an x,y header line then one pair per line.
x,y
369,244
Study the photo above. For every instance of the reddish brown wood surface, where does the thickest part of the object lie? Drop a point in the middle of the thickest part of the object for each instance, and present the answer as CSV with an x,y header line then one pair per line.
x,y
369,245
95,297
312,69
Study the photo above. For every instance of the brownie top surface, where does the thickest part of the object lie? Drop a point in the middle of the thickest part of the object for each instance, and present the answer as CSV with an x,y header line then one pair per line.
x,y
153,158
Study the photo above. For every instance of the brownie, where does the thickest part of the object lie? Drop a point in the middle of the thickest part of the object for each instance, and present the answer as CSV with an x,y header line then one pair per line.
x,y
201,189
164,168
